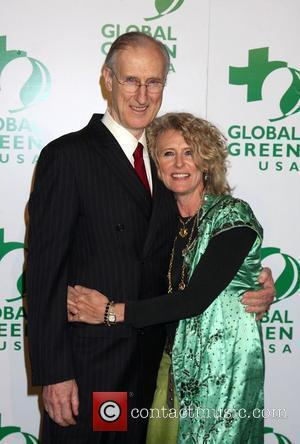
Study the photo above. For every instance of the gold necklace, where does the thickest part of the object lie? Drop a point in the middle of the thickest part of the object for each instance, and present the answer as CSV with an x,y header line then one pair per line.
x,y
181,285
184,231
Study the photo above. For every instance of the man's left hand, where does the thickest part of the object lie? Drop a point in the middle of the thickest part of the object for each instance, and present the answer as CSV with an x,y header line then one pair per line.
x,y
259,301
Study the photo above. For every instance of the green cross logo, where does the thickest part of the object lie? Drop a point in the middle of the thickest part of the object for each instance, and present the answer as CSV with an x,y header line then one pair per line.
x,y
7,248
288,282
37,87
6,433
164,7
258,69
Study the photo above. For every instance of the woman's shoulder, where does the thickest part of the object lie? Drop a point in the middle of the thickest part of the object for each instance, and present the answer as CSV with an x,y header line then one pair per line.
x,y
233,212
227,204
237,204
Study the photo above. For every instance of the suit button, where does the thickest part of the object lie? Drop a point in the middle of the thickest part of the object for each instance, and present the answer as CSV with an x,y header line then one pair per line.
x,y
140,331
120,227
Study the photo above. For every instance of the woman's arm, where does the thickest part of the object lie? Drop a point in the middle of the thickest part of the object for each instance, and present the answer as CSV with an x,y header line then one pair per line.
x,y
219,264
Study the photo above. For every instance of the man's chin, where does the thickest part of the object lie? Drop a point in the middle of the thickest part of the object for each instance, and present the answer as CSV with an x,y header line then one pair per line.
x,y
139,124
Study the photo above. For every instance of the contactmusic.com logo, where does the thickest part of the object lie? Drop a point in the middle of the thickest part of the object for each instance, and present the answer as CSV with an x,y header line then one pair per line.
x,y
110,415
110,411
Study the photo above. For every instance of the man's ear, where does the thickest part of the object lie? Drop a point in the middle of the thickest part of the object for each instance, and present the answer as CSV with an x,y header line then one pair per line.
x,y
107,75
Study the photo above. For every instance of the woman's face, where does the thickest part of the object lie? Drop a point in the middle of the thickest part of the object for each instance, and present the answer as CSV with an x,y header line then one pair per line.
x,y
177,167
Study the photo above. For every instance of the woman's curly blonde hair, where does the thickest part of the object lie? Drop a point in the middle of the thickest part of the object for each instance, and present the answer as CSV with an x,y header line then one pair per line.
x,y
207,143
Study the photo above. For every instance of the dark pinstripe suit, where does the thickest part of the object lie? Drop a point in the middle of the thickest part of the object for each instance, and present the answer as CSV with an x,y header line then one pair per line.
x,y
93,223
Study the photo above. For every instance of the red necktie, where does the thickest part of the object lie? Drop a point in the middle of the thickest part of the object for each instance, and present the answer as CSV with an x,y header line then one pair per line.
x,y
140,166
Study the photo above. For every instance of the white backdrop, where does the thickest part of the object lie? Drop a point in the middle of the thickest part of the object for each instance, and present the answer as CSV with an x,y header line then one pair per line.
x,y
235,63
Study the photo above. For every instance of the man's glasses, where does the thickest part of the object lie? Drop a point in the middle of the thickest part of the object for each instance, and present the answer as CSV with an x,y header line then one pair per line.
x,y
132,84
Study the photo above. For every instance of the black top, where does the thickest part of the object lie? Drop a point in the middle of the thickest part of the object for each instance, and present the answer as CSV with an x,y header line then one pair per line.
x,y
219,264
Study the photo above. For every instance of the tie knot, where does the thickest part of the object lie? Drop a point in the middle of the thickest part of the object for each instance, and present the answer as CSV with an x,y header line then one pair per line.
x,y
138,152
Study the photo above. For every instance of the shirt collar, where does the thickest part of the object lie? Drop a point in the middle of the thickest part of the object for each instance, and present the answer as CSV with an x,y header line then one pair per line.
x,y
124,138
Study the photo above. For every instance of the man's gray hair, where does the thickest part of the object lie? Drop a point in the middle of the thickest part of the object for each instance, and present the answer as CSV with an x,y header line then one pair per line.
x,y
135,39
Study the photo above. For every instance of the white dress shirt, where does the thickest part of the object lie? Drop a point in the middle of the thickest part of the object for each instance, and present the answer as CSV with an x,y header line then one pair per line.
x,y
128,142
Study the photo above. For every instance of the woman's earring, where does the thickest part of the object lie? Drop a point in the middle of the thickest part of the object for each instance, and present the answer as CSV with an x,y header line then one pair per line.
x,y
205,177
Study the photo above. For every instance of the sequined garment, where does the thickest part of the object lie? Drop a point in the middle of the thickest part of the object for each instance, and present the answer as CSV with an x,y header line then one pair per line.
x,y
217,356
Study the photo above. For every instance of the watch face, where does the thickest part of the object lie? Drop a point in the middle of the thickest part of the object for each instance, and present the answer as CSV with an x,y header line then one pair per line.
x,y
111,318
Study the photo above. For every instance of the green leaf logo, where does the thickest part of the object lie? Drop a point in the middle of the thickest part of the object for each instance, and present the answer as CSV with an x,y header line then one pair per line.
x,y
10,431
5,249
37,87
164,7
289,103
288,282
281,439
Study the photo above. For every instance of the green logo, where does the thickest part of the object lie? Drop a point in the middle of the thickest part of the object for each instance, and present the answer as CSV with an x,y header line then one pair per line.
x,y
258,69
13,431
6,248
288,282
280,439
164,7
37,87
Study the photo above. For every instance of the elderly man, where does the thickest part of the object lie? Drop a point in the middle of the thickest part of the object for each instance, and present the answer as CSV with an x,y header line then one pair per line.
x,y
99,217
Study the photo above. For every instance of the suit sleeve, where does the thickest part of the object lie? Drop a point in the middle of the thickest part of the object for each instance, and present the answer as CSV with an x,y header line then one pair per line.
x,y
53,210
222,259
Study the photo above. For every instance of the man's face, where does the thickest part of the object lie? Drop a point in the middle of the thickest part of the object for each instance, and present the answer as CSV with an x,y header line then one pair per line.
x,y
135,111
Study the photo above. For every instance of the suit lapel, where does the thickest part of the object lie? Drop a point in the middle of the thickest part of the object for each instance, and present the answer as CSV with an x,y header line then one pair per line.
x,y
113,155
159,207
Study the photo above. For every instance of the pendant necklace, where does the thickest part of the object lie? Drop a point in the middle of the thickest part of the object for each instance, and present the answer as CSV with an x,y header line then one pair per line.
x,y
182,284
184,231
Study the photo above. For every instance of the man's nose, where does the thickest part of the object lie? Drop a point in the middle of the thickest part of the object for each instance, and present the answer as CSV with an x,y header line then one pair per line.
x,y
142,94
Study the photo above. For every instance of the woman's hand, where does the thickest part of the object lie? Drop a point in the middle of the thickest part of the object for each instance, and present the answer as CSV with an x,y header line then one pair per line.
x,y
86,305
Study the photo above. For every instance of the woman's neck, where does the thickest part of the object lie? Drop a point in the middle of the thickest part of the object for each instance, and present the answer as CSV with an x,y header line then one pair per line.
x,y
188,206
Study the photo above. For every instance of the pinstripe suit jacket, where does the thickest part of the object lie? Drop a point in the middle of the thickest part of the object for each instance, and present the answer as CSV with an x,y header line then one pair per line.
x,y
93,223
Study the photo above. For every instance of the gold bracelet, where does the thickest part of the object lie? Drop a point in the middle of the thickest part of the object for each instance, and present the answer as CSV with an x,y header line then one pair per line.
x,y
110,317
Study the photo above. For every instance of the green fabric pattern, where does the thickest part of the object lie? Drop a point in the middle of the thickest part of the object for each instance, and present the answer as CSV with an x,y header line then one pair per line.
x,y
217,357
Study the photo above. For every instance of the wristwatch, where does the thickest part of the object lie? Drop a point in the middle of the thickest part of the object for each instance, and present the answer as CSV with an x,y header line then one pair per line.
x,y
110,317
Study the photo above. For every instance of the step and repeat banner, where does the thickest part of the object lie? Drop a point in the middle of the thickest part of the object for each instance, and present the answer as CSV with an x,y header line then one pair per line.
x,y
235,63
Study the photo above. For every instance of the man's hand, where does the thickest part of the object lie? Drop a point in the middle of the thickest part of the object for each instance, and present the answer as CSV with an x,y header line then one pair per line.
x,y
61,402
259,301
